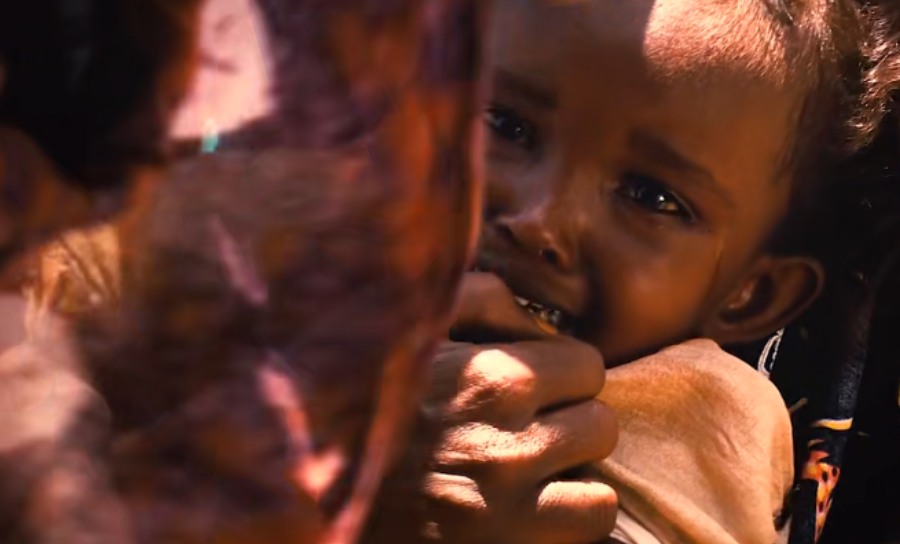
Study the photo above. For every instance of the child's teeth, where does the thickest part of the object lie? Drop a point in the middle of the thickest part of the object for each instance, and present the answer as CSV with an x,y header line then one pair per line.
x,y
551,317
554,317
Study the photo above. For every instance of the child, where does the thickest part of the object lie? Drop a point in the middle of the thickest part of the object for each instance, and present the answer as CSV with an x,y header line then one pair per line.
x,y
652,173
651,166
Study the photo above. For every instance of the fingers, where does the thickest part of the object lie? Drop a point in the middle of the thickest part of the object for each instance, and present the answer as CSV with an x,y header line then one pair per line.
x,y
572,512
457,512
509,385
494,388
508,460
565,370
516,418
579,434
487,310
557,513
454,491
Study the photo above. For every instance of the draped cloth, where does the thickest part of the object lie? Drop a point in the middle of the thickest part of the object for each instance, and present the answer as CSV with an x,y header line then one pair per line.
x,y
705,449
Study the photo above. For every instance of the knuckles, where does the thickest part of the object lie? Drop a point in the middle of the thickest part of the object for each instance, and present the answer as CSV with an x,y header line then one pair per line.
x,y
494,450
498,456
497,386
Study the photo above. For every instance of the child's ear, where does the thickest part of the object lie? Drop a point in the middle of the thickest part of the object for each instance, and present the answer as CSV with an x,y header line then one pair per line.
x,y
773,295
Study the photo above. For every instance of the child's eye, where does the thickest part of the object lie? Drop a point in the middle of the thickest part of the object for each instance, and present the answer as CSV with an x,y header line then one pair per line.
x,y
653,196
512,127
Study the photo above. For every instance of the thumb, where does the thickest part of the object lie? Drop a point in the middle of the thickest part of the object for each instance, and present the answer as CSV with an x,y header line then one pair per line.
x,y
487,312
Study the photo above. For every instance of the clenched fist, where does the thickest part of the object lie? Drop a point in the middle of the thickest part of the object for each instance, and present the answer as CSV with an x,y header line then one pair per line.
x,y
521,424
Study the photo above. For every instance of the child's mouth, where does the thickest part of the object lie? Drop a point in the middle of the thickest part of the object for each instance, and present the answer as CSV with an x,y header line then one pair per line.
x,y
551,320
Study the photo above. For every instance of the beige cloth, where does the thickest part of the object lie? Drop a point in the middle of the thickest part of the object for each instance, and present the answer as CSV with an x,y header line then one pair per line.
x,y
705,452
629,531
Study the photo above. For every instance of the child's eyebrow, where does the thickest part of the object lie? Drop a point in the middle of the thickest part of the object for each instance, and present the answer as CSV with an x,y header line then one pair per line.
x,y
659,150
528,90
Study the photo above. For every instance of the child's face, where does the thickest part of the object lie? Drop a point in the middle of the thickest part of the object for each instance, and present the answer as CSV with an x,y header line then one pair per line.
x,y
634,153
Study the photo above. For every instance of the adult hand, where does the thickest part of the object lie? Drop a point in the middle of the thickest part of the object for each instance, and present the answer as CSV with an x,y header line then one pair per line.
x,y
519,422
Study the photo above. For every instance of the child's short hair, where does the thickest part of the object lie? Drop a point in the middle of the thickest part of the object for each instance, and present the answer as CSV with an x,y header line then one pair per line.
x,y
848,53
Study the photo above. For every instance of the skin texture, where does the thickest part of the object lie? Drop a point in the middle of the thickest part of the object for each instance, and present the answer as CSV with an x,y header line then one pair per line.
x,y
634,179
517,418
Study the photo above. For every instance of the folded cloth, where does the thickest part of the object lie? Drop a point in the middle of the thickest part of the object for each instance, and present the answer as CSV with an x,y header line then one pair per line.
x,y
705,451
629,531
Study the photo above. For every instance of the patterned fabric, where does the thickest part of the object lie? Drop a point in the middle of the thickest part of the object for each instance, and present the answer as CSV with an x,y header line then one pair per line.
x,y
822,359
819,368
824,475
819,442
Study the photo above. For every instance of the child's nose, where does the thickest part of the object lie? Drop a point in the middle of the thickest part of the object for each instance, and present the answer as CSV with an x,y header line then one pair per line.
x,y
535,233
